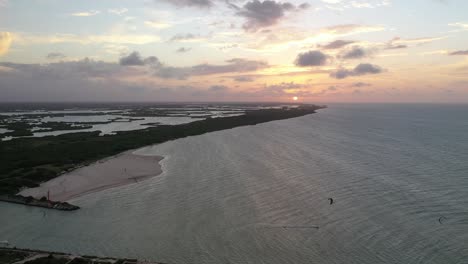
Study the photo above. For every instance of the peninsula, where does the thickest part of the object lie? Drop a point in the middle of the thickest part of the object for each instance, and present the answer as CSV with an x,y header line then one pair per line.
x,y
30,162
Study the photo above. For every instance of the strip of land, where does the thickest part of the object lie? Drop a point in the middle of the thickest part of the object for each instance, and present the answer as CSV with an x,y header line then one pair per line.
x,y
29,162
26,256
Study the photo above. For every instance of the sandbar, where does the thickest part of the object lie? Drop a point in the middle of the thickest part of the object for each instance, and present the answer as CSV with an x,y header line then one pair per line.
x,y
122,169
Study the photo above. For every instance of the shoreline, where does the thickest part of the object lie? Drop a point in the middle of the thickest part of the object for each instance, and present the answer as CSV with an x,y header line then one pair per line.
x,y
73,165
111,172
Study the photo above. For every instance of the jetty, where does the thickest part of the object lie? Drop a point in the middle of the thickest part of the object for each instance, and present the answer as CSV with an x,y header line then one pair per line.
x,y
43,202
14,255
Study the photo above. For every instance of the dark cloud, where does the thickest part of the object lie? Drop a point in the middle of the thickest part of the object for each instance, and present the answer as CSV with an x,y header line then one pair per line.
x,y
367,68
85,68
233,65
393,44
355,52
304,6
260,14
459,52
55,56
168,72
90,80
133,59
361,69
401,46
83,80
183,50
311,58
152,61
337,44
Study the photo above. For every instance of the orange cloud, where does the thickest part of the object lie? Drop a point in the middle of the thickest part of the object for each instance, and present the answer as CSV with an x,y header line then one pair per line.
x,y
5,42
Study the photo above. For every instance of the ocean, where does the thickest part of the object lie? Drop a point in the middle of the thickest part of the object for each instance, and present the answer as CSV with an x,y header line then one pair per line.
x,y
397,174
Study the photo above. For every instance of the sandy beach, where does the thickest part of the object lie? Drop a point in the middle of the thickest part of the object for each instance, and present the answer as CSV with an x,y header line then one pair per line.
x,y
122,169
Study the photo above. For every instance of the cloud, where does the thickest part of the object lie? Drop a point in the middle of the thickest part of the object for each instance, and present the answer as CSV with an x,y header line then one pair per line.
x,y
118,11
311,58
55,56
218,88
169,72
401,46
86,13
135,59
460,25
83,80
231,66
304,6
189,37
243,79
361,69
417,41
5,42
340,5
183,50
135,39
337,44
346,29
85,68
459,52
264,14
190,3
88,79
356,52
360,84
284,90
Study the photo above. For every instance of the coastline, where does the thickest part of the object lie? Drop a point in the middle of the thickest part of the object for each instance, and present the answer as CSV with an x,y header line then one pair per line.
x,y
16,255
114,171
34,166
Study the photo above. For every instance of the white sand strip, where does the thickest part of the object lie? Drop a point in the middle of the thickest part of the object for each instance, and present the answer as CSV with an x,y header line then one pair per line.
x,y
125,168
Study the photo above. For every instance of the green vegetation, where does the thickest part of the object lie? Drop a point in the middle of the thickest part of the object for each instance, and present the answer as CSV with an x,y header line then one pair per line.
x,y
48,260
26,162
27,256
7,257
23,129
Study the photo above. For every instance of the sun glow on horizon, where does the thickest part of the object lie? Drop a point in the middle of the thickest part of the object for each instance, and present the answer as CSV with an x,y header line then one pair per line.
x,y
295,98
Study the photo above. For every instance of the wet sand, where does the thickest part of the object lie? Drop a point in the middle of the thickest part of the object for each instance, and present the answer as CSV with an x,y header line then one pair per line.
x,y
125,168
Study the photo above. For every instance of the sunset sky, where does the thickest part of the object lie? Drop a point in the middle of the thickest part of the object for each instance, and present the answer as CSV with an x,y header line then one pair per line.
x,y
234,50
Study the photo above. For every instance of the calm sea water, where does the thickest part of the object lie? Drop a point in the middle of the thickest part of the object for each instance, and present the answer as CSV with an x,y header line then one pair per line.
x,y
392,170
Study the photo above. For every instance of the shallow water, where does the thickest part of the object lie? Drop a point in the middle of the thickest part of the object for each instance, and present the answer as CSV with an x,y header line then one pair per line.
x,y
392,170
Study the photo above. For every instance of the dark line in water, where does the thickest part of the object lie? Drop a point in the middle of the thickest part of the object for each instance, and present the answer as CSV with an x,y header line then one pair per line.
x,y
297,227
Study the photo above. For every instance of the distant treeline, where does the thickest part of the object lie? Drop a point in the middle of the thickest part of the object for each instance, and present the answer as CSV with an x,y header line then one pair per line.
x,y
26,162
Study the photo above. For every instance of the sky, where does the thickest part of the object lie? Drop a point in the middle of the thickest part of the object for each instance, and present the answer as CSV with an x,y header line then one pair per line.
x,y
326,51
